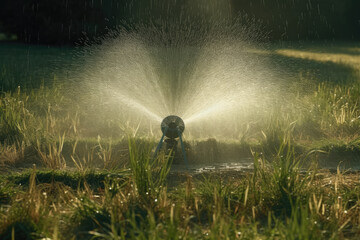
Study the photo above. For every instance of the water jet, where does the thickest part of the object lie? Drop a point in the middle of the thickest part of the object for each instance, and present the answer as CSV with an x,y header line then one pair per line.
x,y
212,81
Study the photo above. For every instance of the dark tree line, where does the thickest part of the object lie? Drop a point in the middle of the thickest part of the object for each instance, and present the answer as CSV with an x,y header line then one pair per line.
x,y
67,21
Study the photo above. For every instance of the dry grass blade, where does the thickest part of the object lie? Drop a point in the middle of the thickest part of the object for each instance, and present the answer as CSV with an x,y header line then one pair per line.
x,y
51,155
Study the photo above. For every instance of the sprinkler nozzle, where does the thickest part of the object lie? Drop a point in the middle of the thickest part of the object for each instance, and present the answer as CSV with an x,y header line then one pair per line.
x,y
172,126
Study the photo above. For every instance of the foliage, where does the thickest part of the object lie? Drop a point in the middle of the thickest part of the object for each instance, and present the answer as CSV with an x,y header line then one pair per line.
x,y
278,200
149,173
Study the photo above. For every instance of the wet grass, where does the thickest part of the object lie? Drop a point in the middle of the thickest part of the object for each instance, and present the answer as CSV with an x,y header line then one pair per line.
x,y
276,200
39,127
67,174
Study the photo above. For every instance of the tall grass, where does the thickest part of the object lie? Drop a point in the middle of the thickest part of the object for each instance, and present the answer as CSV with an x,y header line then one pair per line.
x,y
11,154
28,215
14,117
338,108
278,200
84,162
51,155
149,173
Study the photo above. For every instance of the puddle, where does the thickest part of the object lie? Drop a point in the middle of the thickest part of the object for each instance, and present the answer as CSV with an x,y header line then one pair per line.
x,y
245,165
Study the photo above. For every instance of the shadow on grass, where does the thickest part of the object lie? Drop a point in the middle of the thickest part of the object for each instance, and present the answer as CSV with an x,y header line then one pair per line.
x,y
313,70
95,180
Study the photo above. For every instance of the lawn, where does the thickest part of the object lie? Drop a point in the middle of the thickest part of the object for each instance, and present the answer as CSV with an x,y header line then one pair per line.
x,y
75,167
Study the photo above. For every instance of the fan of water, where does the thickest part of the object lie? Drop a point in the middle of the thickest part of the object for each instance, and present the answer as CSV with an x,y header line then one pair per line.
x,y
213,78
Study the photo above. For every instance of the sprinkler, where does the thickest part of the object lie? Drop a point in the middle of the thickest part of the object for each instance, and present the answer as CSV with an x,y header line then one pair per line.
x,y
172,128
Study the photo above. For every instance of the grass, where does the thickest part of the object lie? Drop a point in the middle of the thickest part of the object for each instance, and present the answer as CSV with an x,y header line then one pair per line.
x,y
41,126
69,174
277,200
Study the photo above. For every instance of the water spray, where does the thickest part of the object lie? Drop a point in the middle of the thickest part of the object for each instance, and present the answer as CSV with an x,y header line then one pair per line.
x,y
172,128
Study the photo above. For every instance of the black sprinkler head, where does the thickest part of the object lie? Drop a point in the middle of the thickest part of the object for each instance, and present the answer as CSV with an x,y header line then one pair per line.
x,y
172,126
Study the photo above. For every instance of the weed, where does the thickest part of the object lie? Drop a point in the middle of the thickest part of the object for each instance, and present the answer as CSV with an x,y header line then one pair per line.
x,y
52,155
149,174
10,155
14,117
88,216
